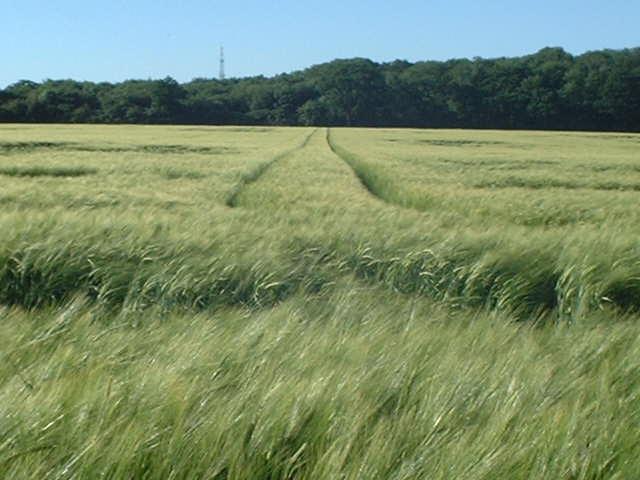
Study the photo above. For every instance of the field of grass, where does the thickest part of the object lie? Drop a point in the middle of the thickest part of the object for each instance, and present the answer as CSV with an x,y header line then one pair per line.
x,y
231,303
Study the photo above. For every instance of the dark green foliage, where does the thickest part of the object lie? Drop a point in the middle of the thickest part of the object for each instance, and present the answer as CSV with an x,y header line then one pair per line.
x,y
548,90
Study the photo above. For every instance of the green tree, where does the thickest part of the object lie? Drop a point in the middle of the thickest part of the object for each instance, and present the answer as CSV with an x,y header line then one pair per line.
x,y
354,90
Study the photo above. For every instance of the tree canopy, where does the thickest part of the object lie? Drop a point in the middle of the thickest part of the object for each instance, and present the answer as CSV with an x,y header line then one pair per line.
x,y
548,90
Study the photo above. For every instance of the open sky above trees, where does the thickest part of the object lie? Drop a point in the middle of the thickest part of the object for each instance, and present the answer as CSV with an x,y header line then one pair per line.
x,y
118,40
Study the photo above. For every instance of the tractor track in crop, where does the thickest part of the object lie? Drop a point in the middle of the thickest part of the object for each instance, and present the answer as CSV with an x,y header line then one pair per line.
x,y
254,175
368,179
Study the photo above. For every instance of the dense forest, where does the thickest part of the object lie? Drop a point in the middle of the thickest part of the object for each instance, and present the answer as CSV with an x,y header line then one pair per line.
x,y
551,89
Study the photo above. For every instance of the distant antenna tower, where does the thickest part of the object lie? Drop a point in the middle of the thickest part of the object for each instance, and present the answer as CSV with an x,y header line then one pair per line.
x,y
221,63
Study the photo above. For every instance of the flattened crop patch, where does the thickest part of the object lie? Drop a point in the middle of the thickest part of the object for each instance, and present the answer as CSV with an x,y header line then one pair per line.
x,y
611,136
460,143
539,183
38,171
178,174
495,162
26,147
441,142
178,149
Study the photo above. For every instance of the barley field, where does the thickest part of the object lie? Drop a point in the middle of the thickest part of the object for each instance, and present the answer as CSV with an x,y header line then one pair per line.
x,y
308,303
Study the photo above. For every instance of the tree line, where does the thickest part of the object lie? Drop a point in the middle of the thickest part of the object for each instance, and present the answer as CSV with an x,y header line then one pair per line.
x,y
550,89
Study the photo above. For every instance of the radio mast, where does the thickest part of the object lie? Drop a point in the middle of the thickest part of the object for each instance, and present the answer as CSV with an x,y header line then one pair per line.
x,y
221,75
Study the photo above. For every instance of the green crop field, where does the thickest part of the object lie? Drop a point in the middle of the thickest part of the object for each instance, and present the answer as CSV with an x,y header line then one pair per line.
x,y
308,303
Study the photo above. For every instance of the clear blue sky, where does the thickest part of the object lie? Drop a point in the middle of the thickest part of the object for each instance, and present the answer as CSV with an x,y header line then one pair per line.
x,y
112,40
